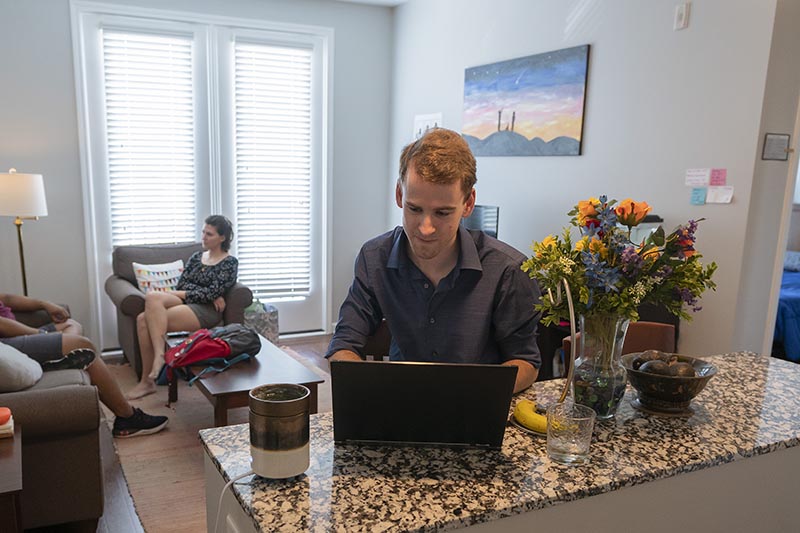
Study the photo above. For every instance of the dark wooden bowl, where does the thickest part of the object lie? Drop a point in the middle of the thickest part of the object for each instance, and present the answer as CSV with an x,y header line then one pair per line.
x,y
669,394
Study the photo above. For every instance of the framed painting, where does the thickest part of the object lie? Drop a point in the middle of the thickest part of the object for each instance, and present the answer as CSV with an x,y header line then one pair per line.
x,y
776,147
529,106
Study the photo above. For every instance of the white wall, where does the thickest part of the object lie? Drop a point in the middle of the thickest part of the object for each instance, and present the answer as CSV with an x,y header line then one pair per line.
x,y
38,131
658,102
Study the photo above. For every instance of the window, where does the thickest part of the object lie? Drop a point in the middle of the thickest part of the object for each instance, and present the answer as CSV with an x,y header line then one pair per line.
x,y
149,137
273,168
183,116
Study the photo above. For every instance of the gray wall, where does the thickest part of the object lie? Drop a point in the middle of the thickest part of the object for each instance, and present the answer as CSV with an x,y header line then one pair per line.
x,y
658,102
38,131
38,134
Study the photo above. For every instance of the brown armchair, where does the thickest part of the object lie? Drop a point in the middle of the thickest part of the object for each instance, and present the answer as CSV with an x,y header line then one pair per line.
x,y
121,287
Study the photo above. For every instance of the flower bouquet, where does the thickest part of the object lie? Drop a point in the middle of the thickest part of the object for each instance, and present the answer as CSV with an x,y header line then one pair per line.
x,y
610,277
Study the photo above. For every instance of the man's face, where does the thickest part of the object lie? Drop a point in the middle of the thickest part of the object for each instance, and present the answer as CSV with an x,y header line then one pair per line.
x,y
431,214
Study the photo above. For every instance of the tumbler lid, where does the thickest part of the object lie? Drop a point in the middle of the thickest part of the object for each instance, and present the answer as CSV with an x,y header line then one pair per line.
x,y
279,399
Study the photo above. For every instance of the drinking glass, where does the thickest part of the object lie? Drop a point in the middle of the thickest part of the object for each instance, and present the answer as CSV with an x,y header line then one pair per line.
x,y
569,432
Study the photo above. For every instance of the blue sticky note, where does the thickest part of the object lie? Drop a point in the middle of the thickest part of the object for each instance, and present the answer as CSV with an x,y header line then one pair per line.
x,y
698,196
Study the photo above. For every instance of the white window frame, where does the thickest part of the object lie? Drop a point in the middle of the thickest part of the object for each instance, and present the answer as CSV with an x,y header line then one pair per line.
x,y
214,165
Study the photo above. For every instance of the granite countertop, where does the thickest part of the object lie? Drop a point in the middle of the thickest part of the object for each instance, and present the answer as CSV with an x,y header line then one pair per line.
x,y
750,407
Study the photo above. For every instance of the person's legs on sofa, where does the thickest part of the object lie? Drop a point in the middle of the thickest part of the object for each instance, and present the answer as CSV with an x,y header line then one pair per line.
x,y
69,326
45,348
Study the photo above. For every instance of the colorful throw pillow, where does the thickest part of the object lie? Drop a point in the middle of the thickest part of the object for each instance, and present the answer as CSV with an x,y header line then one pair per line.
x,y
17,370
791,261
163,277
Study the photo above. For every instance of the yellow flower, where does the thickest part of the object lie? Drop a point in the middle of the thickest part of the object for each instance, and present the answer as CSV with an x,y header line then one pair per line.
x,y
630,213
587,209
547,242
582,244
596,246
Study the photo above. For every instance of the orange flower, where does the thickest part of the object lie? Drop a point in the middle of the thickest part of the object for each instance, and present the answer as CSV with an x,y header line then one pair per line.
x,y
630,213
686,242
587,210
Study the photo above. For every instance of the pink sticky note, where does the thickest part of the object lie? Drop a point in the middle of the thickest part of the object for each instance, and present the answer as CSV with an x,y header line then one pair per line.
x,y
719,176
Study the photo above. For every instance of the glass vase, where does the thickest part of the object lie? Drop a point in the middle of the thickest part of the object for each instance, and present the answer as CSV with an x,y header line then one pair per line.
x,y
599,380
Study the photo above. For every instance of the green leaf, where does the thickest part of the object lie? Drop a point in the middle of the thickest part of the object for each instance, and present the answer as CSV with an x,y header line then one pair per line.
x,y
658,237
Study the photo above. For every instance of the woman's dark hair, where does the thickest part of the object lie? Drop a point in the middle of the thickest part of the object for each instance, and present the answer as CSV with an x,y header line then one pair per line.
x,y
224,228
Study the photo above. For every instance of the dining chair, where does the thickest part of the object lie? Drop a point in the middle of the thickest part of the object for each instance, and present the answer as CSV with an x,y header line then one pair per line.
x,y
378,343
641,336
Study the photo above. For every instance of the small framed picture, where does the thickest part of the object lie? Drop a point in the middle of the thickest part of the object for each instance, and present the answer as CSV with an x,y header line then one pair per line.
x,y
776,147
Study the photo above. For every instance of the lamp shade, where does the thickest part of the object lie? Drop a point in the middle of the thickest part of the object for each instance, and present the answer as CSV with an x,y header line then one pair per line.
x,y
22,195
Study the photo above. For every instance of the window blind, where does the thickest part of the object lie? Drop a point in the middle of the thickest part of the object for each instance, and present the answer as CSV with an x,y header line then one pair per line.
x,y
149,115
272,87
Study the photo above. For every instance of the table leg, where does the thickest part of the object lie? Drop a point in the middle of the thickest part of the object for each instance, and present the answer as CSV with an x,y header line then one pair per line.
x,y
173,389
220,412
11,512
313,399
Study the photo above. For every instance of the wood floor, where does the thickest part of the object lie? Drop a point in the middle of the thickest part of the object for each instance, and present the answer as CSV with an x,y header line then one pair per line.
x,y
311,348
119,513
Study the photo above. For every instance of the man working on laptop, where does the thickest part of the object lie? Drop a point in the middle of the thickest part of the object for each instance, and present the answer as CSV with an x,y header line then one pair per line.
x,y
448,294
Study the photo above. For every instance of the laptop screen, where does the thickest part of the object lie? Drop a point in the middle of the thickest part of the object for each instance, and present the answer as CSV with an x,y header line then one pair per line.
x,y
429,404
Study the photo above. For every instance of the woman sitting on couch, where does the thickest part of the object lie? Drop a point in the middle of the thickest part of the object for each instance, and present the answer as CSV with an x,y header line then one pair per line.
x,y
195,303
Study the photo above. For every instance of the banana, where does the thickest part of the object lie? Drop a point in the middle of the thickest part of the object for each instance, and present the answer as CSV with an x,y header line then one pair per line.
x,y
525,413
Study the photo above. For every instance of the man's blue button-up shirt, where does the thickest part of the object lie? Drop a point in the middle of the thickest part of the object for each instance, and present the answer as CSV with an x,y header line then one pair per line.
x,y
481,312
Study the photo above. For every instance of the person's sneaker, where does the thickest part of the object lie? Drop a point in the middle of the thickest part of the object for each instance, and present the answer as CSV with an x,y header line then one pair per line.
x,y
76,359
140,423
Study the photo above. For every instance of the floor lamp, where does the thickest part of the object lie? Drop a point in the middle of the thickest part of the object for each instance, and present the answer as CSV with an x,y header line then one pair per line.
x,y
22,196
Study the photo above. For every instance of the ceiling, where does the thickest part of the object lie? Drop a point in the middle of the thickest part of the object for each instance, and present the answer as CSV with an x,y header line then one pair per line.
x,y
391,3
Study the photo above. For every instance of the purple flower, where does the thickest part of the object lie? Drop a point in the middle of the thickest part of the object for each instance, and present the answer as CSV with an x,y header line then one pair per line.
x,y
686,296
631,262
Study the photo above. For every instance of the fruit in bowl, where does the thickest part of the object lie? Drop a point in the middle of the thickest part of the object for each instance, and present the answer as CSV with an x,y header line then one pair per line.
x,y
666,382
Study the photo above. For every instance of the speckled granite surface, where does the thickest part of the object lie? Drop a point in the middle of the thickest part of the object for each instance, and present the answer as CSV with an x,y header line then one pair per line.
x,y
751,407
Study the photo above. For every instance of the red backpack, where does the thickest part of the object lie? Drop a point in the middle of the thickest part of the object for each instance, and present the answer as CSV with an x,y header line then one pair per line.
x,y
212,349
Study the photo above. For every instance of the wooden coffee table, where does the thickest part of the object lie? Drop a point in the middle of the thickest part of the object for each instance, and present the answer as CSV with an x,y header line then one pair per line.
x,y
11,482
231,388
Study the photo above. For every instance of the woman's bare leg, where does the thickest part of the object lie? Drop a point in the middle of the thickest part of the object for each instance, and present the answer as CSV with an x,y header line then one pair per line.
x,y
146,385
178,318
155,314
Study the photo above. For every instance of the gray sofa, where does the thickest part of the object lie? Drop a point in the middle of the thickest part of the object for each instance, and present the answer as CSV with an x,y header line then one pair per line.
x,y
62,471
121,287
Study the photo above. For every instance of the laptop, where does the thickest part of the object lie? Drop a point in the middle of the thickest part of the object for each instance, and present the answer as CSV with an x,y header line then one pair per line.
x,y
422,404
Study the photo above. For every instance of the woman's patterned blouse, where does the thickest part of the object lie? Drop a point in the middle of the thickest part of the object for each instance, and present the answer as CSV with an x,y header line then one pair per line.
x,y
205,283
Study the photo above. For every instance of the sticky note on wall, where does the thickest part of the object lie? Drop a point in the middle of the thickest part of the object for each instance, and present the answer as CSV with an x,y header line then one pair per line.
x,y
719,176
719,195
698,177
698,196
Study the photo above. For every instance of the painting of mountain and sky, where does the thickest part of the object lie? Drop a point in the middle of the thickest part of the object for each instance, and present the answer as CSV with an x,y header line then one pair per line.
x,y
527,106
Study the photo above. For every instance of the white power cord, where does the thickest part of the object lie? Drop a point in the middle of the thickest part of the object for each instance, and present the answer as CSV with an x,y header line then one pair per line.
x,y
222,495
